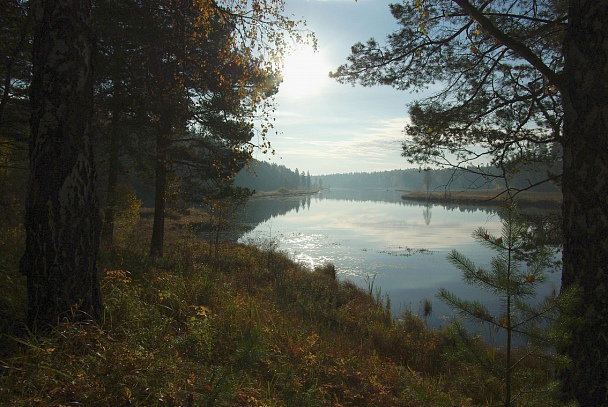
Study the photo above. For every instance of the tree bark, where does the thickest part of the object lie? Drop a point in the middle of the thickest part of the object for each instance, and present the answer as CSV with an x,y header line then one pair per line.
x,y
585,189
63,219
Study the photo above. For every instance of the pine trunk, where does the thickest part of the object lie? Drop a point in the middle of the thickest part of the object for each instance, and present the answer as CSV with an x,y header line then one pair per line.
x,y
63,219
585,189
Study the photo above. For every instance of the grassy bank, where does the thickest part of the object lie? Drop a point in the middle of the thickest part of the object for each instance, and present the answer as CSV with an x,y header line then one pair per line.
x,y
284,193
485,198
260,330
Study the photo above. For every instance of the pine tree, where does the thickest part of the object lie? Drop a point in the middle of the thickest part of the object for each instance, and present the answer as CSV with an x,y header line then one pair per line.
x,y
62,219
510,377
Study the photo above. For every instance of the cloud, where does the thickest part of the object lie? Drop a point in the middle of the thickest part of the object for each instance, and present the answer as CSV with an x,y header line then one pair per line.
x,y
374,146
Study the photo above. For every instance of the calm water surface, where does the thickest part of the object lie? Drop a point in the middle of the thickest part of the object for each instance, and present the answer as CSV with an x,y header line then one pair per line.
x,y
375,236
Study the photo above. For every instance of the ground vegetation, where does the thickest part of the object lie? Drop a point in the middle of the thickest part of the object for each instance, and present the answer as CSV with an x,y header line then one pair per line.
x,y
250,327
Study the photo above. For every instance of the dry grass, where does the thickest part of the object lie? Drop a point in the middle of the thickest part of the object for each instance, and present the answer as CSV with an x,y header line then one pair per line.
x,y
284,193
479,197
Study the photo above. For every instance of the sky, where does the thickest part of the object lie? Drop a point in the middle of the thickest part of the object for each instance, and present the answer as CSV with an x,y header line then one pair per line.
x,y
325,127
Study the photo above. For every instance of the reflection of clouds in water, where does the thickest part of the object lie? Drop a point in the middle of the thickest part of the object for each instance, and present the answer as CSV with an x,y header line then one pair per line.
x,y
397,245
362,271
400,251
310,261
304,242
310,250
315,249
355,257
395,224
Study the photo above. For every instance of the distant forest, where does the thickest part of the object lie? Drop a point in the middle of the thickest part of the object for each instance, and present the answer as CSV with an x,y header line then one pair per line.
x,y
262,176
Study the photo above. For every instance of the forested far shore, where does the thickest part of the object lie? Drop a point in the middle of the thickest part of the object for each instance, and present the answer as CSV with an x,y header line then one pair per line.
x,y
263,176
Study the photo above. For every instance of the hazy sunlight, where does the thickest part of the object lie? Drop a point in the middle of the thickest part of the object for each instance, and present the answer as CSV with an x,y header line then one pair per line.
x,y
305,73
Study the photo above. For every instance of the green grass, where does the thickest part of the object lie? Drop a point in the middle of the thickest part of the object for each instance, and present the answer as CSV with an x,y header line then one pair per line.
x,y
260,331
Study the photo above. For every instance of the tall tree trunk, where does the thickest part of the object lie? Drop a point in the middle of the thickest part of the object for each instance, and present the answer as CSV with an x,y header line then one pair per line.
x,y
585,189
162,147
107,232
63,219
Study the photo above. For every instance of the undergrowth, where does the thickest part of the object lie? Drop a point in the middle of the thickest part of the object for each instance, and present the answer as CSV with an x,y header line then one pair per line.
x,y
261,330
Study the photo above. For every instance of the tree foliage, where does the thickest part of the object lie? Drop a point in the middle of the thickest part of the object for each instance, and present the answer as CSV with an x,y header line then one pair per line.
x,y
521,315
263,176
489,103
197,79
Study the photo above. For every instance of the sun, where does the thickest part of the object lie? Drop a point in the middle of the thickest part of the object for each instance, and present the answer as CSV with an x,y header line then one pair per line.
x,y
304,73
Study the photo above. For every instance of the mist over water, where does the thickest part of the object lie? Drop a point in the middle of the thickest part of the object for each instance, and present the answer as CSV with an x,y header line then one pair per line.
x,y
375,237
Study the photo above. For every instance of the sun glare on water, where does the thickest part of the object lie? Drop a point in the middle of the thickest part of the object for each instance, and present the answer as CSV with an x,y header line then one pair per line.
x,y
305,73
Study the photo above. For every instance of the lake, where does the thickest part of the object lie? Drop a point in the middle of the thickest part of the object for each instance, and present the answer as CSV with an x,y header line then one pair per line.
x,y
375,237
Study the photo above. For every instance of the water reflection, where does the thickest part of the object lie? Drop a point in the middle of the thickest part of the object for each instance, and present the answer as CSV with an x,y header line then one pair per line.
x,y
427,213
376,233
263,210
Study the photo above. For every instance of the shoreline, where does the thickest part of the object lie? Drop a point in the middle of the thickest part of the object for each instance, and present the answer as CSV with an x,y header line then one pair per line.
x,y
284,193
485,198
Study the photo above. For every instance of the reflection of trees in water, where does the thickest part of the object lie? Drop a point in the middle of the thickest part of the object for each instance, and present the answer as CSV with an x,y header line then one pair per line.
x,y
260,211
393,196
362,195
468,208
491,210
427,213
544,224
